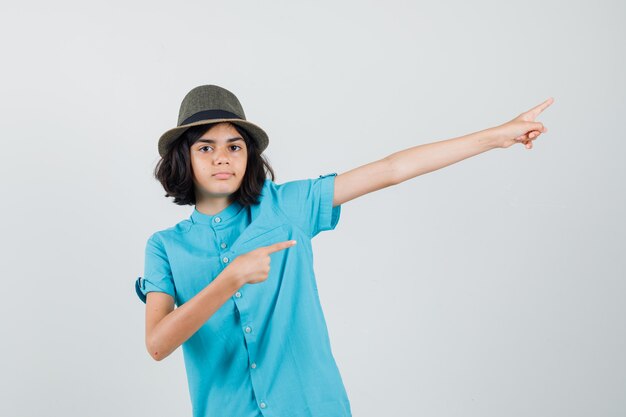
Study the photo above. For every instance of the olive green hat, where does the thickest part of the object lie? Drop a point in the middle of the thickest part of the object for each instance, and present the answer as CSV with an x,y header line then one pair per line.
x,y
208,104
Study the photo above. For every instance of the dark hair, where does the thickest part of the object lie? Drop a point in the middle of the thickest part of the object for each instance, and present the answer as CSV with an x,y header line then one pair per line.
x,y
175,173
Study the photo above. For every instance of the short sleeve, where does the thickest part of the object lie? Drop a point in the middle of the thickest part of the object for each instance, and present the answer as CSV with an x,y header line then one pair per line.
x,y
157,272
309,203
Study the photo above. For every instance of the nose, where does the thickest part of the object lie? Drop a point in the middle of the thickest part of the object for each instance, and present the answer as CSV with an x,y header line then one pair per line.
x,y
220,156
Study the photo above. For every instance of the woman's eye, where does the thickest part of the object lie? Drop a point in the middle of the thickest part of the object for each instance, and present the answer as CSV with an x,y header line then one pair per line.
x,y
204,148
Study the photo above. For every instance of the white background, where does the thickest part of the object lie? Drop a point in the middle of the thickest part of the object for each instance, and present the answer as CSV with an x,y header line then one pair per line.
x,y
492,287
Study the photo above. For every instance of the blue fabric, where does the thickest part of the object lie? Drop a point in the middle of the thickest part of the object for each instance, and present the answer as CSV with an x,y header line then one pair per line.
x,y
266,351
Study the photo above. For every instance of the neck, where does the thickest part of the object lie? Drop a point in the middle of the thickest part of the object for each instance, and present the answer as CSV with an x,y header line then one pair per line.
x,y
212,205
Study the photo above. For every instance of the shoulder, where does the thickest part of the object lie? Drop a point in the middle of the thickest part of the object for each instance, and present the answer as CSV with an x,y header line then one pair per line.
x,y
299,188
172,232
272,188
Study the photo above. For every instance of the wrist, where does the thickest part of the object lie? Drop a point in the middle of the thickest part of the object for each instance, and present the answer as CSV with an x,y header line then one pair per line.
x,y
494,137
230,276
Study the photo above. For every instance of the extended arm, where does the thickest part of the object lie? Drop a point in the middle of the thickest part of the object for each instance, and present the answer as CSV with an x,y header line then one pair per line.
x,y
409,163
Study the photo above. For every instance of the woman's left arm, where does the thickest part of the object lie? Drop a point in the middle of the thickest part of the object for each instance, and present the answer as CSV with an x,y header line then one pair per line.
x,y
409,163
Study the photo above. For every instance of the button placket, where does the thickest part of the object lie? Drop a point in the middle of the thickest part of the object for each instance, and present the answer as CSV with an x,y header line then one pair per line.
x,y
226,257
223,255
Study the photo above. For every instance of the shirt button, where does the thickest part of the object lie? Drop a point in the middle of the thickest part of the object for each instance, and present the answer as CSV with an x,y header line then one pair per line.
x,y
248,329
225,259
238,294
217,220
223,245
253,365
263,405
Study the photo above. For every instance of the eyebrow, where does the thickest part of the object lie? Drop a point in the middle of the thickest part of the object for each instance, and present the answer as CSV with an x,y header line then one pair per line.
x,y
212,141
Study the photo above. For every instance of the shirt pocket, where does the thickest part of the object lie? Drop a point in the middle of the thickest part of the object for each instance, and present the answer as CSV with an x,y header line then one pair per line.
x,y
264,237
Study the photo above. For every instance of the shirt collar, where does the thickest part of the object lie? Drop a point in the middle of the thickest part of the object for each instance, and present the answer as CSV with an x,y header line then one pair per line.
x,y
219,218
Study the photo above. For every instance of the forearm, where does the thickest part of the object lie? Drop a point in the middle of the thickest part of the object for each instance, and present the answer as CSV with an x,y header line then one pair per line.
x,y
180,324
421,159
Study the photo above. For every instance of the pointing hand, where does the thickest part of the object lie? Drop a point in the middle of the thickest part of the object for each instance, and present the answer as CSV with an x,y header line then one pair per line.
x,y
254,267
523,129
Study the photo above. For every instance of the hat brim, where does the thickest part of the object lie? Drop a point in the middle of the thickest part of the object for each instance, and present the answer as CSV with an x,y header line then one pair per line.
x,y
253,130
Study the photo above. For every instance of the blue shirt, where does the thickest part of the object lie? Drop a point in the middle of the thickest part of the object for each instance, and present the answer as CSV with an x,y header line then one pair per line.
x,y
266,351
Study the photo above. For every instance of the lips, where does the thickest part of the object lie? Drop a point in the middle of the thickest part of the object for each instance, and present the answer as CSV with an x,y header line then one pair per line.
x,y
223,175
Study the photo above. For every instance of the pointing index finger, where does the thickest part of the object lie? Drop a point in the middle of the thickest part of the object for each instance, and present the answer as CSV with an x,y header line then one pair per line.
x,y
535,111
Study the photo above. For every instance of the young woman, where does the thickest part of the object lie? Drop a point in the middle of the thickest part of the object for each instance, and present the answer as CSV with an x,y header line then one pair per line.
x,y
254,338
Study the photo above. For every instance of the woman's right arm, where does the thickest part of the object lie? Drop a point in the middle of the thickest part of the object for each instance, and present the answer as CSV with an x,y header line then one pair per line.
x,y
168,328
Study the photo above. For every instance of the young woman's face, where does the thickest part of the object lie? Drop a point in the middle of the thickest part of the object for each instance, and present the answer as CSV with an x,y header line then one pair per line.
x,y
218,160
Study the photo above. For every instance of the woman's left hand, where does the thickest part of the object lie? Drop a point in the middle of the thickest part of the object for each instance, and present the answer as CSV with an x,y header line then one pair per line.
x,y
523,129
